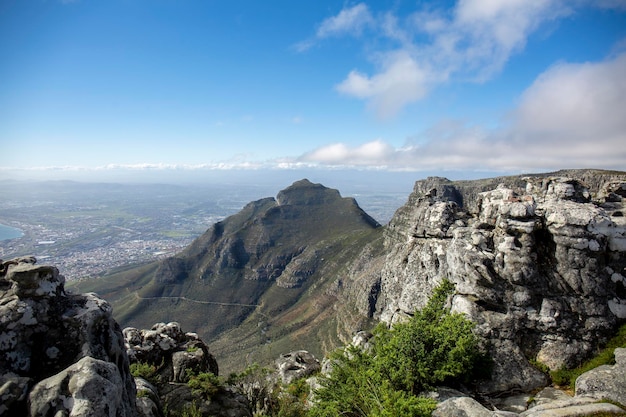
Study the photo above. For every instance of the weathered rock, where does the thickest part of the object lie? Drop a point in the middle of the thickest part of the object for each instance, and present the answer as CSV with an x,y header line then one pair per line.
x,y
177,356
49,335
148,401
295,365
174,352
89,388
537,265
579,406
606,381
461,407
548,395
225,403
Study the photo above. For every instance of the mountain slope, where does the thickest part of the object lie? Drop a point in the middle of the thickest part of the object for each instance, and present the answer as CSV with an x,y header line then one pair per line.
x,y
259,281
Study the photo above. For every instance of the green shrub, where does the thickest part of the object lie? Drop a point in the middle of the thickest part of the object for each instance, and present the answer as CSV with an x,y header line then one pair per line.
x,y
144,370
192,411
205,384
433,347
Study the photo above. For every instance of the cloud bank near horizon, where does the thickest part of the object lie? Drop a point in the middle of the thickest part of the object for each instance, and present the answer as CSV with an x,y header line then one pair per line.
x,y
572,116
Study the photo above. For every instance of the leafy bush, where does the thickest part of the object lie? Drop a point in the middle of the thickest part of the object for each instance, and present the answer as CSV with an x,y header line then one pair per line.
x,y
434,346
144,370
205,384
192,411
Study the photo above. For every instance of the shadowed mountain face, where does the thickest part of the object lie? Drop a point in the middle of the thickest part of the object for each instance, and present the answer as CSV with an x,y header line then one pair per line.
x,y
247,278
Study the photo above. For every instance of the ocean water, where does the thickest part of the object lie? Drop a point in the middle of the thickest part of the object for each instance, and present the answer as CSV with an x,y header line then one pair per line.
x,y
7,232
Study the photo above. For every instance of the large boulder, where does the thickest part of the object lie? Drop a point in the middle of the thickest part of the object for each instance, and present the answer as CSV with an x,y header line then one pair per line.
x,y
57,349
538,267
607,381
296,365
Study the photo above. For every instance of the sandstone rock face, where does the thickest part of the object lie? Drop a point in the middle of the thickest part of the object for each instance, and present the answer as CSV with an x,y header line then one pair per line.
x,y
59,352
539,267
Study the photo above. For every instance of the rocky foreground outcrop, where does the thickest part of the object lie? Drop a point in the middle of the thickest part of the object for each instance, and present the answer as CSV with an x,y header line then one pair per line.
x,y
175,358
597,393
538,264
60,354
63,354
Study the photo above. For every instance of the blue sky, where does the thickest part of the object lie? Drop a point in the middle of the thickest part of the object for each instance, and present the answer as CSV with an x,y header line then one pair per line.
x,y
465,87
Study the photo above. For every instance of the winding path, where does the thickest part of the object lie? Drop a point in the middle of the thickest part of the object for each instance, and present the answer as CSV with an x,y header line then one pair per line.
x,y
195,301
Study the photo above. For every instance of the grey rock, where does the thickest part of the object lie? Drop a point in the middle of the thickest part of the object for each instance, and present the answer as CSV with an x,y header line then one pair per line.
x,y
13,394
515,403
549,395
537,265
606,381
48,334
225,403
461,407
148,402
589,409
295,365
89,388
175,353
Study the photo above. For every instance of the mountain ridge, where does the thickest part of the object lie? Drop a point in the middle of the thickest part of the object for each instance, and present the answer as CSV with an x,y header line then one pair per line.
x,y
329,280
252,268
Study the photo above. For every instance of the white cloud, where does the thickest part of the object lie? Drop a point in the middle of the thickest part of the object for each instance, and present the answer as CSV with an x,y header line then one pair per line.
x,y
582,100
375,152
401,82
472,41
573,115
351,21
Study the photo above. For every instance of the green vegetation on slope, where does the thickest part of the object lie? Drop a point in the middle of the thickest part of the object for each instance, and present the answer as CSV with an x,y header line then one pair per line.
x,y
433,347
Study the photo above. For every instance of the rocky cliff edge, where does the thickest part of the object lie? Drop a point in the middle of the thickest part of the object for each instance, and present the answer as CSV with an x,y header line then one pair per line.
x,y
538,265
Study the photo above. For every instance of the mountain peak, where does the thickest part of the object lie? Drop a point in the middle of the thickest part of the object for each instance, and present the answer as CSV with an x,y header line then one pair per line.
x,y
304,192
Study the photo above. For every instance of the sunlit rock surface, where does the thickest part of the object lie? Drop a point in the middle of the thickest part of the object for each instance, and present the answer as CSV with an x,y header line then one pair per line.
x,y
59,352
538,264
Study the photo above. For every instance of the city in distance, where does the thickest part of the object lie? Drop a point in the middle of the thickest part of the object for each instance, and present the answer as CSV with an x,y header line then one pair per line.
x,y
89,228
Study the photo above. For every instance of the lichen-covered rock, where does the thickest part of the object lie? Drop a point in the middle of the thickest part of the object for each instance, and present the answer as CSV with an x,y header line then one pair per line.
x,y
538,266
296,365
606,381
175,353
461,407
177,356
89,388
577,406
49,334
148,401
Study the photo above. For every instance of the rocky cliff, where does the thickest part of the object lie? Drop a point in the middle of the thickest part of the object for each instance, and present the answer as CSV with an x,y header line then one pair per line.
x,y
538,263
